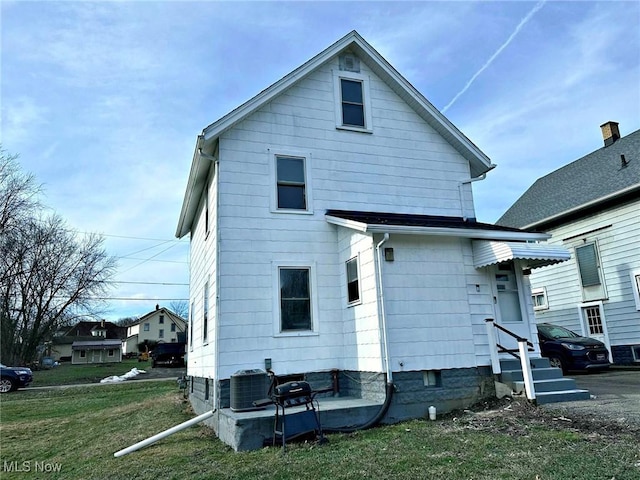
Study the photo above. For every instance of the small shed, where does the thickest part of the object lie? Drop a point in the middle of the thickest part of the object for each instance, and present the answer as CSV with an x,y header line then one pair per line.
x,y
96,351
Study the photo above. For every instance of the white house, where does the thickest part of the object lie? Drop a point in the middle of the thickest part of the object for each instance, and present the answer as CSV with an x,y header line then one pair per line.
x,y
159,325
591,207
333,228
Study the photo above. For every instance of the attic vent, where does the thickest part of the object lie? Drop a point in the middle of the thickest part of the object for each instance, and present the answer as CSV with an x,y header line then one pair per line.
x,y
349,63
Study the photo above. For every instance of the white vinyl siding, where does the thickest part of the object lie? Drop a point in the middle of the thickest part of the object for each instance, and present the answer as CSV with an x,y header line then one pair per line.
x,y
616,233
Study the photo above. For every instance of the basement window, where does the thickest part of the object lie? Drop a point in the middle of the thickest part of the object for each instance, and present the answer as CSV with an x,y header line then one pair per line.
x,y
432,378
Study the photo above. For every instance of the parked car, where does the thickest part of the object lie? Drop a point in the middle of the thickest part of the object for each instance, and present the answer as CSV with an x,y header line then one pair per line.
x,y
568,350
12,378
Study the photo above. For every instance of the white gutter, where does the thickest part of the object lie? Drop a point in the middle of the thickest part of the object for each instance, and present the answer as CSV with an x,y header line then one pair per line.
x,y
467,181
383,319
166,433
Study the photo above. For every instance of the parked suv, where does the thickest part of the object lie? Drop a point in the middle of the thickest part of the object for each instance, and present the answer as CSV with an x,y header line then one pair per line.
x,y
12,378
568,350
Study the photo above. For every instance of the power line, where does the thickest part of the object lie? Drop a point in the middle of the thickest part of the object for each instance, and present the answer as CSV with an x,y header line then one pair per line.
x,y
147,283
130,299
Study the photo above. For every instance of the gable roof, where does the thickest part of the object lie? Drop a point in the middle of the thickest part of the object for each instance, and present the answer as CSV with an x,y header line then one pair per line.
x,y
177,319
84,329
479,163
591,182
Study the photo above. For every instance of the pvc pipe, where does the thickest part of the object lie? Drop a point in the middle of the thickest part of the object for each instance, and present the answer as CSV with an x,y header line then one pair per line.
x,y
166,433
382,310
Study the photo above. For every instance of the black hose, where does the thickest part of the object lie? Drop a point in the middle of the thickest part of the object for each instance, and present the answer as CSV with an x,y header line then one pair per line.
x,y
371,423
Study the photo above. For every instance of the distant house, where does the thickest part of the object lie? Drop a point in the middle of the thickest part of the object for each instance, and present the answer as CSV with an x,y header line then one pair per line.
x,y
159,325
334,237
591,207
96,351
61,344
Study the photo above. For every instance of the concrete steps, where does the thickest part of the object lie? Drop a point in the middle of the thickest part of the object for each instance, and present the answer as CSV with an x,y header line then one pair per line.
x,y
548,382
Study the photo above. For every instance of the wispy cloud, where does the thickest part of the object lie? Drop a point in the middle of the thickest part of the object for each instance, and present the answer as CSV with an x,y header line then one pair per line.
x,y
488,63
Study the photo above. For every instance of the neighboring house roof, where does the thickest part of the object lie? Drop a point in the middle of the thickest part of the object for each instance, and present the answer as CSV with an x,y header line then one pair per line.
x,y
478,161
593,181
177,319
84,329
93,344
378,222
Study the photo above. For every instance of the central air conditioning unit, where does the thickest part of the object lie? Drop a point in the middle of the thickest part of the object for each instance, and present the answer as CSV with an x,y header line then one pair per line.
x,y
248,386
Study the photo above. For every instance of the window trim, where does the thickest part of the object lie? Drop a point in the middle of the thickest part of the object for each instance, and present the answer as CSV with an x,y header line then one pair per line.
x,y
540,291
313,297
339,75
357,301
274,153
596,252
635,286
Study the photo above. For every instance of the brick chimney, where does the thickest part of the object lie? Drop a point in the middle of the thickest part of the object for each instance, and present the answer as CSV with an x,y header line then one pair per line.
x,y
610,133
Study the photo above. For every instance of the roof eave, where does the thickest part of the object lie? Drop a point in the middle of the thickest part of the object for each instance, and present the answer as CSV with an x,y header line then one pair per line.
x,y
571,211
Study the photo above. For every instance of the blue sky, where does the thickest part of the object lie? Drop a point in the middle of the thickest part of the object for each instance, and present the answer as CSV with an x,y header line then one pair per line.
x,y
103,100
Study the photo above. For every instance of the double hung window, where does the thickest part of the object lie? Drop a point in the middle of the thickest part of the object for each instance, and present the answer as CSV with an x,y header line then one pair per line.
x,y
295,299
291,183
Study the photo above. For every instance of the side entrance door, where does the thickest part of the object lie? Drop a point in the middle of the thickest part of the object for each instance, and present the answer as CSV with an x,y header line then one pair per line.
x,y
508,304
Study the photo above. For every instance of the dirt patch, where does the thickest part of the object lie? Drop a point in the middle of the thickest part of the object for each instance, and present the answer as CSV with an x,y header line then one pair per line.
x,y
518,417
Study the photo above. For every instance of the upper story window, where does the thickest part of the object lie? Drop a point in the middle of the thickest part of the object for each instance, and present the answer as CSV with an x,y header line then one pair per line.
x,y
353,281
161,318
352,101
587,258
291,183
173,327
290,174
146,327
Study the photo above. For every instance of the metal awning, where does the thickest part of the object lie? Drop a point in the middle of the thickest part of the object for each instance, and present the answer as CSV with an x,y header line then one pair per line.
x,y
488,252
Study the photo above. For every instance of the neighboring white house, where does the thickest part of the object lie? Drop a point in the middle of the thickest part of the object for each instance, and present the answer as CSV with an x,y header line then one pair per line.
x,y
592,207
96,351
159,325
332,228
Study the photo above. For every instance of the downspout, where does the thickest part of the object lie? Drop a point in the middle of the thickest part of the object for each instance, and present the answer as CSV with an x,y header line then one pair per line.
x,y
216,379
464,182
383,316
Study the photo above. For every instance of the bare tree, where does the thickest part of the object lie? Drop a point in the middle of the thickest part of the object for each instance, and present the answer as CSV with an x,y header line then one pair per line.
x,y
180,308
49,277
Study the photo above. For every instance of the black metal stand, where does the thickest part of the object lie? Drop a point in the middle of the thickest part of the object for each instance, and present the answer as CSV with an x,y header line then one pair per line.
x,y
287,426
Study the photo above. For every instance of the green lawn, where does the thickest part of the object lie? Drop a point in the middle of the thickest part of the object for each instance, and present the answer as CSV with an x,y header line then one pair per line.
x,y
67,374
78,430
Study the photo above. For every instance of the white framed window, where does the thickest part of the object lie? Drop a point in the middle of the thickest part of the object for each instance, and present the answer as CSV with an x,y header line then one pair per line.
x,y
191,317
146,327
588,264
161,319
111,352
161,333
173,327
295,307
352,101
539,298
635,287
205,313
291,181
353,281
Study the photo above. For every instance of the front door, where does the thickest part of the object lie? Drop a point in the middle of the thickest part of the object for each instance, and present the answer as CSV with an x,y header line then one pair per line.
x,y
97,356
507,302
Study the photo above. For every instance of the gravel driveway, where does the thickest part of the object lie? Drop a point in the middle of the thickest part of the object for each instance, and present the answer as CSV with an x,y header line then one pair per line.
x,y
615,396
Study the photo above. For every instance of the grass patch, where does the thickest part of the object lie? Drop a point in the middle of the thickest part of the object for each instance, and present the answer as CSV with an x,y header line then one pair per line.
x,y
67,374
79,429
